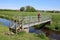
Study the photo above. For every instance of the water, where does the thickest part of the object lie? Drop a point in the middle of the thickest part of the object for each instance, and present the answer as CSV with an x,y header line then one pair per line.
x,y
32,30
5,22
52,34
55,36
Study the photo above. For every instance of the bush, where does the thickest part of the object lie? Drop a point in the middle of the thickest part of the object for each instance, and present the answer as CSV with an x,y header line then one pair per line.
x,y
22,9
28,9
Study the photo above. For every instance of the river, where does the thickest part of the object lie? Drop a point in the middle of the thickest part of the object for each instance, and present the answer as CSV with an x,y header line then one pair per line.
x,y
49,33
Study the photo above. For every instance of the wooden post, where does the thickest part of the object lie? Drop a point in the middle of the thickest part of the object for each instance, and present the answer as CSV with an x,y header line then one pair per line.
x,y
21,23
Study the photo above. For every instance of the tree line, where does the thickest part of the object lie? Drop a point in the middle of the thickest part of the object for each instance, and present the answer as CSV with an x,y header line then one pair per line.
x,y
30,9
7,10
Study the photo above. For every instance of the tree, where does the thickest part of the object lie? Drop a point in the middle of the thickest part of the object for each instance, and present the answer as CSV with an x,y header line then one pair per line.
x,y
33,9
22,9
28,9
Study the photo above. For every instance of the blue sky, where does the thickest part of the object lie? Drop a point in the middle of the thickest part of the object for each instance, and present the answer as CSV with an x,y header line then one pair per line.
x,y
38,4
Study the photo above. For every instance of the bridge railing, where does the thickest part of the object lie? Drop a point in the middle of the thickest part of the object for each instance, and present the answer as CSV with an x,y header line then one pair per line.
x,y
30,19
33,19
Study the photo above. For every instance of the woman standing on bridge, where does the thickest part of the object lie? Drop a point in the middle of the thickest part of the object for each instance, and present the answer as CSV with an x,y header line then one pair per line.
x,y
39,16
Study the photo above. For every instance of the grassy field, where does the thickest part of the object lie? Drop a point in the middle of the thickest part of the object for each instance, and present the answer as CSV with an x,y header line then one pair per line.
x,y
11,14
54,16
20,36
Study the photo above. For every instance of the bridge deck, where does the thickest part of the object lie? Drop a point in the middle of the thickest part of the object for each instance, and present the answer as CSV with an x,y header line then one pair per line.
x,y
36,23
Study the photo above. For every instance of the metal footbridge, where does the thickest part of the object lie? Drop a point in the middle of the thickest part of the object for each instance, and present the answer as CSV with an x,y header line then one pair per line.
x,y
29,21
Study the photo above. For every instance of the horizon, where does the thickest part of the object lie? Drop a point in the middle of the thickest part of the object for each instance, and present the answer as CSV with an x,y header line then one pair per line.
x,y
38,5
36,9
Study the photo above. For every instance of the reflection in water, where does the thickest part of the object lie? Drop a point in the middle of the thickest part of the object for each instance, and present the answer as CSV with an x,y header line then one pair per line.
x,y
32,30
48,32
52,34
55,36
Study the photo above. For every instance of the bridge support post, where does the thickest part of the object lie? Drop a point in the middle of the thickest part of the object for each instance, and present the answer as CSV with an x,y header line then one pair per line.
x,y
26,30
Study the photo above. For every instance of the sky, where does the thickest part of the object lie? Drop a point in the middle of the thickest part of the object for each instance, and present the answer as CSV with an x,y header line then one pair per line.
x,y
37,4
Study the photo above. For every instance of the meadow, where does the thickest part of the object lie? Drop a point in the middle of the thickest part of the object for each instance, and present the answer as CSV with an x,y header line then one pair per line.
x,y
55,25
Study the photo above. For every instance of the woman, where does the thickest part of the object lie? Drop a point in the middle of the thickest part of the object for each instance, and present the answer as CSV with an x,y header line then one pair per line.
x,y
39,16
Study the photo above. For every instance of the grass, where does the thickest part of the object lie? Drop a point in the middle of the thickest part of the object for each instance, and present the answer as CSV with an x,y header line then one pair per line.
x,y
3,29
55,21
10,14
20,36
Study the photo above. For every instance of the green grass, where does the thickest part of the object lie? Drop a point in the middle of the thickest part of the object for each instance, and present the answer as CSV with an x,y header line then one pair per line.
x,y
3,29
20,36
11,14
